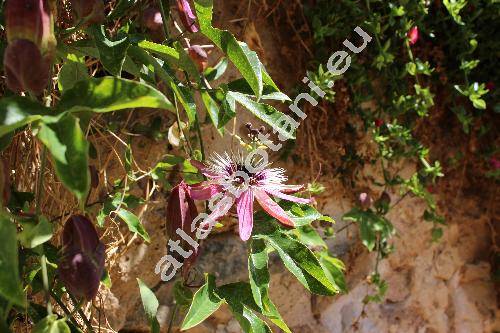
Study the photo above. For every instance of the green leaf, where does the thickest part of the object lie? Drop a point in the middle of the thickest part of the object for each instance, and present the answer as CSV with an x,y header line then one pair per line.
x,y
150,304
183,295
246,61
371,224
334,269
310,237
121,8
109,94
297,258
112,53
71,72
69,149
133,223
239,298
51,324
10,284
259,282
35,234
16,112
166,53
266,113
213,111
215,73
205,303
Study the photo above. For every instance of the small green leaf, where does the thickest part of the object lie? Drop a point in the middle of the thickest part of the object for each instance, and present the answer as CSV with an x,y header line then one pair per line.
x,y
183,295
133,223
66,142
112,53
10,284
150,304
51,324
109,94
35,234
205,303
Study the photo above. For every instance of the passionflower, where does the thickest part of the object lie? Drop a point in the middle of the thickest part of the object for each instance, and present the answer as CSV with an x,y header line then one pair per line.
x,y
90,11
82,263
186,15
229,178
199,57
413,35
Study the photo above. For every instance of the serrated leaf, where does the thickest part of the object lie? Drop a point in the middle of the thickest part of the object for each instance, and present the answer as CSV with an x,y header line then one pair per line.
x,y
109,94
133,223
205,303
10,284
150,304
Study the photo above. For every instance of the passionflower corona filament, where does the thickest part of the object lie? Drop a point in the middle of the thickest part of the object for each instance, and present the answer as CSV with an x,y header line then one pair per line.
x,y
229,177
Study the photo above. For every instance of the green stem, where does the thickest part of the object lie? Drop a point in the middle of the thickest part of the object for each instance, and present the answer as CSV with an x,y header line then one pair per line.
x,y
45,279
80,312
172,318
164,18
64,308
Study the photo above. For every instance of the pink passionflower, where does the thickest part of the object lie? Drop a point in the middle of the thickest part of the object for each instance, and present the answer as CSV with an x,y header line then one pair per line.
x,y
228,177
413,35
186,15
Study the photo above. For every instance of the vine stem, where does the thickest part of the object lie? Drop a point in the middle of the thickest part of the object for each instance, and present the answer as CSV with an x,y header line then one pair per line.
x,y
164,18
172,318
80,312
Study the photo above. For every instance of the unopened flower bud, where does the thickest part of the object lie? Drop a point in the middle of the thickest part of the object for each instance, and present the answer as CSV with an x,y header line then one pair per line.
x,y
83,254
31,20
91,11
151,19
4,183
186,15
199,57
382,204
413,35
25,68
379,122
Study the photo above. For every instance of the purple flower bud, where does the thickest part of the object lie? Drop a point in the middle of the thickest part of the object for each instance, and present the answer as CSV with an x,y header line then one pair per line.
x,y
31,20
199,57
4,183
82,263
181,211
186,15
151,19
25,68
92,11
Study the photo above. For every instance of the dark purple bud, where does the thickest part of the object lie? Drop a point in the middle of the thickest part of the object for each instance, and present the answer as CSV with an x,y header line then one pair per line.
x,y
4,183
151,19
94,176
382,204
186,15
82,263
25,68
199,57
181,211
92,11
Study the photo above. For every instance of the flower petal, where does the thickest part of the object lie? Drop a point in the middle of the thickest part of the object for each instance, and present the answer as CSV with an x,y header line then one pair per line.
x,y
287,197
221,209
203,168
272,208
291,188
244,207
204,191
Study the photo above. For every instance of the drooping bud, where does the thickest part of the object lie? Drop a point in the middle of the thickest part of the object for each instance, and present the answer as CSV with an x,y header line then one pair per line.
x,y
186,15
495,163
91,11
151,19
199,57
413,35
31,20
82,263
25,68
382,204
379,122
181,211
490,86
